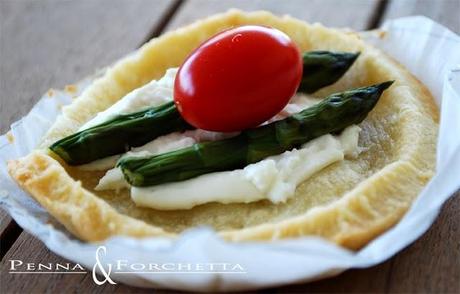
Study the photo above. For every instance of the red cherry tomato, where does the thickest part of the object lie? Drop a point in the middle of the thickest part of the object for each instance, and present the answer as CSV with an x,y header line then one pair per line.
x,y
238,79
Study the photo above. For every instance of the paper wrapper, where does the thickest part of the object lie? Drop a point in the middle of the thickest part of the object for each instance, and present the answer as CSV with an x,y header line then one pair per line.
x,y
427,49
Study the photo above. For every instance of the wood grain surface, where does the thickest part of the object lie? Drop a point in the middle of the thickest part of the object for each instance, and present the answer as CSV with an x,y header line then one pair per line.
x,y
46,43
43,44
333,13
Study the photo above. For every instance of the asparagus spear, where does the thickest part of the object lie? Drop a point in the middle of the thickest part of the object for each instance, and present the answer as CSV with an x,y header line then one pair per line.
x,y
333,114
132,130
323,68
119,134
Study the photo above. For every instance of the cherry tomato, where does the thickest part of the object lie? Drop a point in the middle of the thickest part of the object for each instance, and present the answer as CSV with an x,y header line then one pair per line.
x,y
238,79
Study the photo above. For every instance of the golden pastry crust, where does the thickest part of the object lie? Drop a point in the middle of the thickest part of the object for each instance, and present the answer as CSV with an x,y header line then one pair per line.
x,y
349,202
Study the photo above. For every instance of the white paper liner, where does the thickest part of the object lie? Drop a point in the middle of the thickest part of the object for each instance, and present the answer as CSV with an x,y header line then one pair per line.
x,y
426,48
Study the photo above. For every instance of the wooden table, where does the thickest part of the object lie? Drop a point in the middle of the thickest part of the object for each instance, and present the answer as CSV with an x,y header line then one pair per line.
x,y
50,43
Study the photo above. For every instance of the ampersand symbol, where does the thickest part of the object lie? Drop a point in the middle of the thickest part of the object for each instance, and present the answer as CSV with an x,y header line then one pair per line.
x,y
102,269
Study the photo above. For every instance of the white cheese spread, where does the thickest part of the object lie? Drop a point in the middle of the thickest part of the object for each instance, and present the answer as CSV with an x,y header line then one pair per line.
x,y
100,164
152,94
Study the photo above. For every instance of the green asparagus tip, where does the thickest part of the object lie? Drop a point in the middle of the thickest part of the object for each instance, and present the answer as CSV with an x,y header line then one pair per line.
x,y
353,56
385,85
323,68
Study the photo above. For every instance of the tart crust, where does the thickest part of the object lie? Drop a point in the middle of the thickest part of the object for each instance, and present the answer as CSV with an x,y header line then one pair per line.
x,y
349,203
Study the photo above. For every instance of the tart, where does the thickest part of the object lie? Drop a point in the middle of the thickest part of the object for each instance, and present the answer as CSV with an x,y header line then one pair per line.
x,y
349,202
